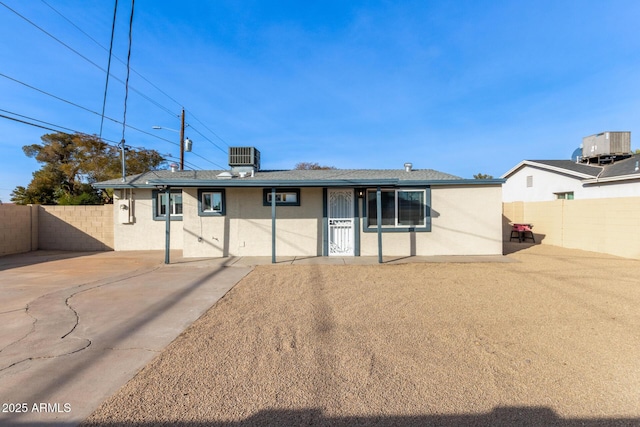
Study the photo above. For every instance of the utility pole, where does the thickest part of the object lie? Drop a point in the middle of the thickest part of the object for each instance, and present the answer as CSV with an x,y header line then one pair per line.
x,y
182,141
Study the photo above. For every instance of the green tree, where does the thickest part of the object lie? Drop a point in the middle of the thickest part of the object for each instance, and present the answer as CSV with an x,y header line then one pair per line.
x,y
312,166
71,162
482,176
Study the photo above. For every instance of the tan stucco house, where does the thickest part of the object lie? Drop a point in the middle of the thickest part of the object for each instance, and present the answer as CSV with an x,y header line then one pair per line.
x,y
246,211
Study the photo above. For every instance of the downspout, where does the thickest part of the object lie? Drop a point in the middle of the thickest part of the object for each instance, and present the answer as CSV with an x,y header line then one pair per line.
x,y
273,225
379,222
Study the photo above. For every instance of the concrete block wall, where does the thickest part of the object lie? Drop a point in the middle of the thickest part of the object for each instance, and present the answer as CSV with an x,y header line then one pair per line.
x,y
599,225
18,229
76,228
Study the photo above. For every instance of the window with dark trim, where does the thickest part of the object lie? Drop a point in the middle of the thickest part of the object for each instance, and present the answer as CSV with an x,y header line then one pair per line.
x,y
160,205
402,209
568,195
284,197
211,202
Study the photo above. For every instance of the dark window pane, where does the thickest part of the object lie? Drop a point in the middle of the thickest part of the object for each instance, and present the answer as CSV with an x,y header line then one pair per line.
x,y
410,208
388,208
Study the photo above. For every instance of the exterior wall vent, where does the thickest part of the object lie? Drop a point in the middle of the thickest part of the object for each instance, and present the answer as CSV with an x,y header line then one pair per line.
x,y
244,159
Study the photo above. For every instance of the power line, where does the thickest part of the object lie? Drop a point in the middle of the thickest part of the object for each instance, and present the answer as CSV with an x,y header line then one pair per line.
x,y
133,70
30,124
88,60
85,108
108,142
205,126
117,79
207,139
126,84
121,61
114,144
106,85
31,118
207,160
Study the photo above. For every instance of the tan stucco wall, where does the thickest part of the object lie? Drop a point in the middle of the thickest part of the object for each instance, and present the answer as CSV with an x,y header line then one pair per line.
x,y
599,225
75,228
245,230
18,229
144,233
465,221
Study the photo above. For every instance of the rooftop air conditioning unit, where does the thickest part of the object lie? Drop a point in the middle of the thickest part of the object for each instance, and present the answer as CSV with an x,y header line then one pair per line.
x,y
606,144
244,159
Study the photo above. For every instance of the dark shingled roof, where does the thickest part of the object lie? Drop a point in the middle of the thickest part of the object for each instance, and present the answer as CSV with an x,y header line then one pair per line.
x,y
622,167
619,170
592,170
190,178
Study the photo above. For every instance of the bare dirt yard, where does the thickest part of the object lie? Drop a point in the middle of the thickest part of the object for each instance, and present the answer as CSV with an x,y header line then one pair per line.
x,y
553,339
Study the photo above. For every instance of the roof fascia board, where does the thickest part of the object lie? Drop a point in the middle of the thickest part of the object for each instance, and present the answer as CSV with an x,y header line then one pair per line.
x,y
546,167
243,182
611,179
514,169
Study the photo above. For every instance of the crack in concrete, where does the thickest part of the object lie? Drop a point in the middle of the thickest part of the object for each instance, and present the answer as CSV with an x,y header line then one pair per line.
x,y
33,327
48,357
48,316
133,348
13,311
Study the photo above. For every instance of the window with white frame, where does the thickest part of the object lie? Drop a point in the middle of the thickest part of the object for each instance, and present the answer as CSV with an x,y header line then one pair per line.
x,y
400,208
175,204
284,197
211,202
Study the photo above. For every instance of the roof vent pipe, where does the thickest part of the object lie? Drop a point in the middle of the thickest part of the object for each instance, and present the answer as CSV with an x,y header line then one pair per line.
x,y
636,169
173,167
407,167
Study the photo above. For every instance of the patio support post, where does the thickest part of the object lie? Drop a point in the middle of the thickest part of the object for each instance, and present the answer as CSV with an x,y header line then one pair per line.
x,y
167,242
273,225
379,222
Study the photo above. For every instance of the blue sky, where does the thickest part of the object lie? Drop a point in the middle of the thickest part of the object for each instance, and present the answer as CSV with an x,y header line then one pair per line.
x,y
457,86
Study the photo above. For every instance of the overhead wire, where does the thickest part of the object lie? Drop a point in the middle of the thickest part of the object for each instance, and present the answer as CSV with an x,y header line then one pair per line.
x,y
135,72
207,139
129,69
126,85
85,108
116,57
57,128
167,110
106,85
205,126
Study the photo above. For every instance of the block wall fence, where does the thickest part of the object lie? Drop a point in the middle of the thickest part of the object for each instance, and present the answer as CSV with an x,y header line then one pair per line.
x,y
610,226
68,228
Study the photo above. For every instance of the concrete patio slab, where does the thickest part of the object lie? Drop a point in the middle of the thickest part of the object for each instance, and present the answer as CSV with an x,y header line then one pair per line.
x,y
367,260
76,328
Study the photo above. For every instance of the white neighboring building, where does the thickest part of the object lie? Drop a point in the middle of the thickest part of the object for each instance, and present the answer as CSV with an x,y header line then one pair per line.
x,y
544,180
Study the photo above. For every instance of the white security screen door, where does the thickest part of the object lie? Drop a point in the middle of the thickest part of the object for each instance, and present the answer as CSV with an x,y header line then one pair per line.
x,y
340,216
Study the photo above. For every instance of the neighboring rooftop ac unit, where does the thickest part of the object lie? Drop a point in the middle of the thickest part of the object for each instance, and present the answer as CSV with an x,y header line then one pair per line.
x,y
606,144
244,158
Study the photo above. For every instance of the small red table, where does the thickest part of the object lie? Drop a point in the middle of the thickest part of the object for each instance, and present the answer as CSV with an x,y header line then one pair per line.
x,y
522,232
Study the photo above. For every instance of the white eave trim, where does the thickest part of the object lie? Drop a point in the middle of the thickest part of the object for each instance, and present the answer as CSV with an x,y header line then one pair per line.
x,y
611,179
546,167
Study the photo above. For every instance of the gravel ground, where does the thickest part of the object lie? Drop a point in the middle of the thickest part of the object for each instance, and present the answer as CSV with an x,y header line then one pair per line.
x,y
551,340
